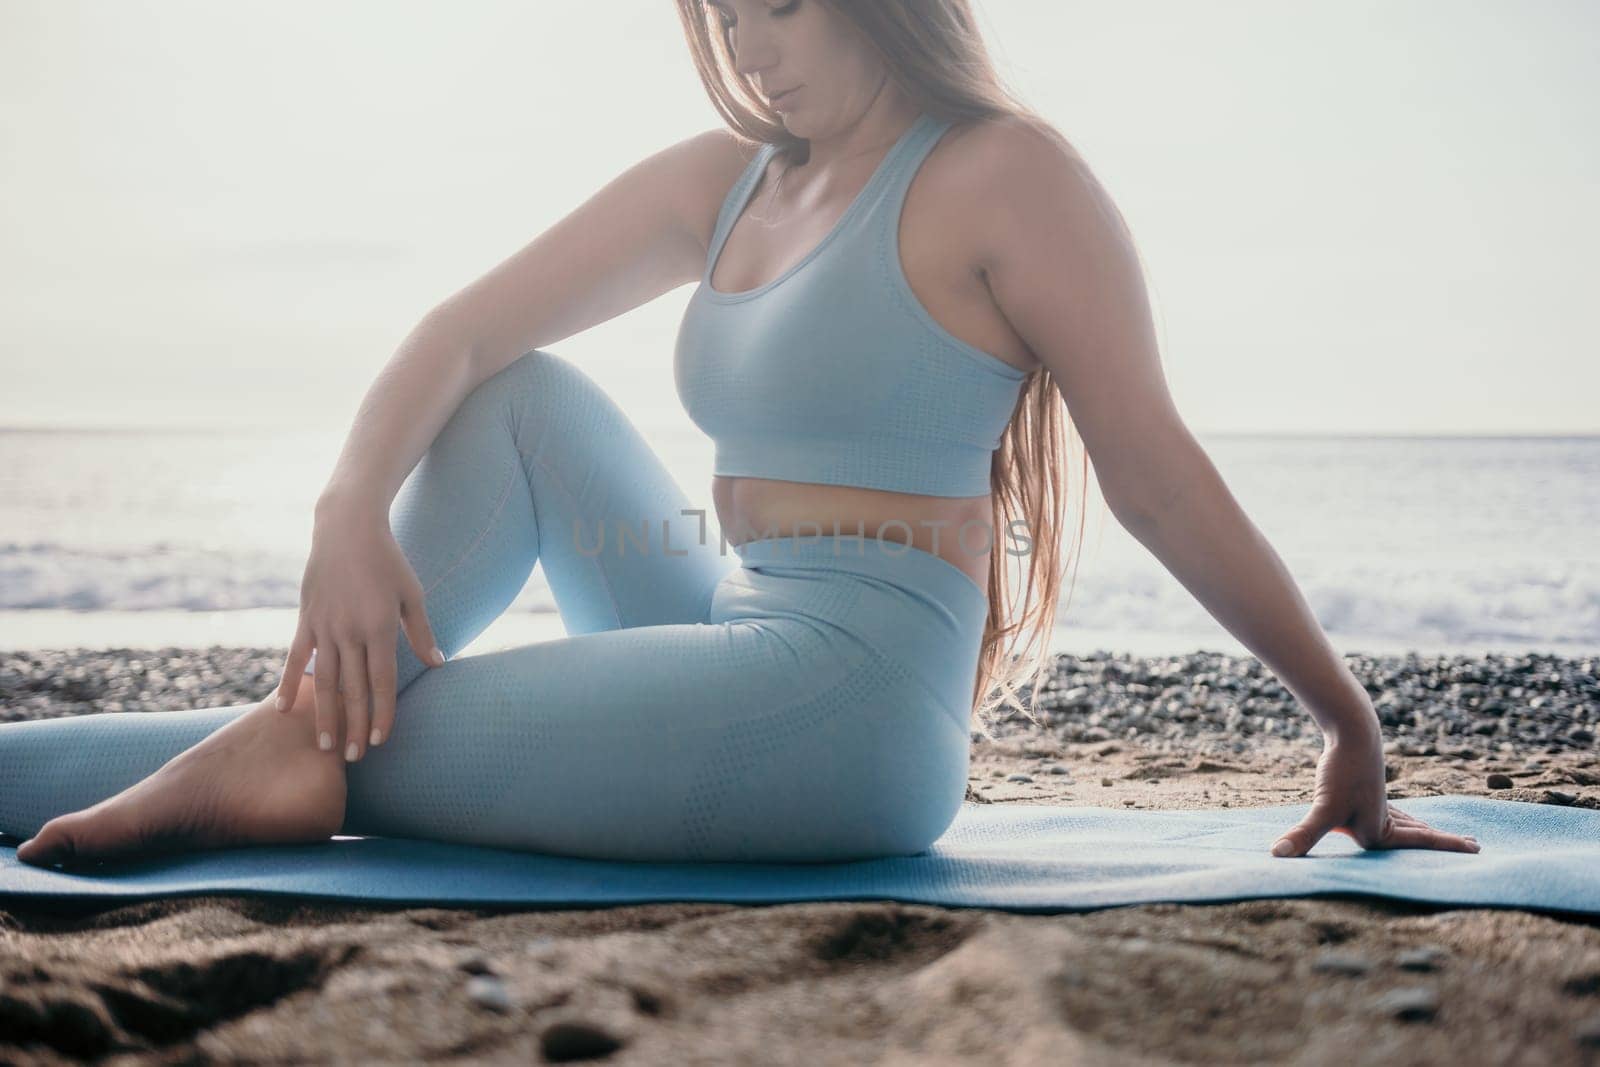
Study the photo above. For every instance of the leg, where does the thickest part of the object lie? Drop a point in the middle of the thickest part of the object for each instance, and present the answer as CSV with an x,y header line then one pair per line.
x,y
536,463
539,463
768,737
772,733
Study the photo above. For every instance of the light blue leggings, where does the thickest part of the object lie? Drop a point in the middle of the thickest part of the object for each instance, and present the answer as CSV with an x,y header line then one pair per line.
x,y
797,698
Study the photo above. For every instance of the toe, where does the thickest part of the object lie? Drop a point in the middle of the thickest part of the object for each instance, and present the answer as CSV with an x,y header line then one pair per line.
x,y
51,845
80,837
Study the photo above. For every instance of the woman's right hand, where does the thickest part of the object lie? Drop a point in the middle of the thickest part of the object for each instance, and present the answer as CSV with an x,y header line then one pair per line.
x,y
358,589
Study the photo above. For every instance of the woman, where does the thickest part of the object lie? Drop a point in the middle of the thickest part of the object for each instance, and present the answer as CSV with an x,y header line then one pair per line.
x,y
898,291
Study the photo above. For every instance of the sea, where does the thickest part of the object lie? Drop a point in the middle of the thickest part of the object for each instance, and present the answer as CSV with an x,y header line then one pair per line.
x,y
149,538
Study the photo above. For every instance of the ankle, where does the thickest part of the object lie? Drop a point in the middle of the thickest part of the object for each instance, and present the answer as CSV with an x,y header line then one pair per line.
x,y
305,700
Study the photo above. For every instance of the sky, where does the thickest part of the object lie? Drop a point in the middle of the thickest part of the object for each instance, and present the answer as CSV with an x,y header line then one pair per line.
x,y
1366,216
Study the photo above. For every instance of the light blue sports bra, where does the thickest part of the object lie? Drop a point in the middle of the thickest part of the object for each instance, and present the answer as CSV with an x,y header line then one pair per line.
x,y
834,372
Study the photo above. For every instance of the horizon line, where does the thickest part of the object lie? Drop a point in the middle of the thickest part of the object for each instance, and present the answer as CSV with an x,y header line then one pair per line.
x,y
1307,434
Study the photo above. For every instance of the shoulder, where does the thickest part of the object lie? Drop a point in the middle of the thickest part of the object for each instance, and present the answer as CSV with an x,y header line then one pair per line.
x,y
1017,151
696,173
718,156
1011,172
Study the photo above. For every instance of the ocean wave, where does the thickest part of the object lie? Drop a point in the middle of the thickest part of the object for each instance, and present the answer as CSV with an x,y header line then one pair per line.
x,y
1517,603
166,577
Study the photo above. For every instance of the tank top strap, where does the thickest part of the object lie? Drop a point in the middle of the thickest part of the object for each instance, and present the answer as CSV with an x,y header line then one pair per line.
x,y
878,201
898,170
734,202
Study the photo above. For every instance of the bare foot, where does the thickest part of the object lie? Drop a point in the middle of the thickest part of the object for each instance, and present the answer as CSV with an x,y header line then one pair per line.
x,y
258,780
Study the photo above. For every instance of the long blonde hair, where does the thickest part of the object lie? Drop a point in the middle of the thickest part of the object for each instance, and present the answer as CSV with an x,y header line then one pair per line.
x,y
936,56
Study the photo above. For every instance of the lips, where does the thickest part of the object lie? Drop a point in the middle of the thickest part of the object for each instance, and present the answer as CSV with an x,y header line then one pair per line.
x,y
780,96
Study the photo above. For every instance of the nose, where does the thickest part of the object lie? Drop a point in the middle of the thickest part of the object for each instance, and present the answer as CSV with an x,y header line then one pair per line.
x,y
751,53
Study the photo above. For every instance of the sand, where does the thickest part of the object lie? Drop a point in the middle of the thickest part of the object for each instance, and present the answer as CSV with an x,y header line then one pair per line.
x,y
1305,981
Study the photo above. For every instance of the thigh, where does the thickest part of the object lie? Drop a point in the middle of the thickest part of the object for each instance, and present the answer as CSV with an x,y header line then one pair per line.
x,y
620,542
539,466
759,739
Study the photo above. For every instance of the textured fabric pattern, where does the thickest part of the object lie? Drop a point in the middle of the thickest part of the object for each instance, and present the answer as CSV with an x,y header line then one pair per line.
x,y
834,372
799,699
1020,857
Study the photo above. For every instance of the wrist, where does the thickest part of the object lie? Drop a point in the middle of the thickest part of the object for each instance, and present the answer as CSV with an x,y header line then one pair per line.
x,y
1354,726
1343,709
341,504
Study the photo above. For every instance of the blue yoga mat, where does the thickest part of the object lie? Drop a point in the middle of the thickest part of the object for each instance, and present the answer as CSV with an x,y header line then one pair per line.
x,y
1013,857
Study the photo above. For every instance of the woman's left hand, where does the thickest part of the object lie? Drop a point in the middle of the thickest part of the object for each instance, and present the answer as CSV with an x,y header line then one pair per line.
x,y
1352,798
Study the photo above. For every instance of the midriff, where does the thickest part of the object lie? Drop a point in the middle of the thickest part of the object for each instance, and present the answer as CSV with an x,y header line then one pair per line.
x,y
956,529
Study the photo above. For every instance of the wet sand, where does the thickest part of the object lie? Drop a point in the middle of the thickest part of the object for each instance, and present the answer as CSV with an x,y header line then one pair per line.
x,y
1304,981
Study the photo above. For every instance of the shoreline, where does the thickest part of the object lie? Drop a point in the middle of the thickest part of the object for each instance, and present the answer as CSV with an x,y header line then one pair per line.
x,y
63,629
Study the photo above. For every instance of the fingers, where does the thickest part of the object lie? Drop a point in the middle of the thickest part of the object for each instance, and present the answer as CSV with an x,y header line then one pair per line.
x,y
1427,837
1400,830
294,667
1317,823
419,634
1297,841
1408,831
353,680
327,688
381,669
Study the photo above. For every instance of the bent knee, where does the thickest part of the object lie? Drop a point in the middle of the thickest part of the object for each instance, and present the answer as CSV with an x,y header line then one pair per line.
x,y
540,373
547,393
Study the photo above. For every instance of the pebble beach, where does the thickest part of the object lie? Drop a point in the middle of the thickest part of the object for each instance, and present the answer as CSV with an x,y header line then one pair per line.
x,y
1301,980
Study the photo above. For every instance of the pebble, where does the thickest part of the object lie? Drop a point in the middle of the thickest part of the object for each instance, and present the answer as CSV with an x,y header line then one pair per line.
x,y
577,1039
489,993
1429,704
1018,778
1464,706
475,963
1423,958
1057,768
1499,781
1411,1003
1341,963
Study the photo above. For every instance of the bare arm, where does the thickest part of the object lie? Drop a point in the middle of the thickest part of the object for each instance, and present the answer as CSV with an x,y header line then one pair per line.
x,y
1063,269
641,235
